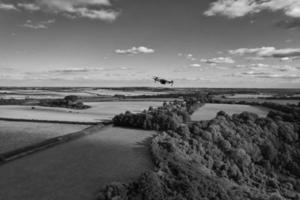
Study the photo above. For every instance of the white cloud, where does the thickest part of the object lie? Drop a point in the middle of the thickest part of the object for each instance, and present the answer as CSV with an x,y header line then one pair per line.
x,y
38,25
219,60
289,59
124,68
262,70
282,76
231,8
285,59
271,75
29,6
189,56
255,58
4,6
91,9
106,15
287,68
76,70
195,65
240,8
262,67
135,50
267,52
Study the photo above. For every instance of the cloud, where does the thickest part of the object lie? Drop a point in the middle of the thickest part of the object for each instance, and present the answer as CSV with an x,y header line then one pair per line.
x,y
105,15
189,56
267,52
255,58
289,24
282,76
195,65
135,50
38,25
4,6
240,8
124,68
6,69
91,9
76,70
262,70
271,75
261,67
289,59
254,73
287,68
29,6
219,60
231,8
87,73
268,75
241,66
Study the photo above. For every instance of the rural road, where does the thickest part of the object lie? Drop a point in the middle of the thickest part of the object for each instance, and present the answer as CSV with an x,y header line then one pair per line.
x,y
78,169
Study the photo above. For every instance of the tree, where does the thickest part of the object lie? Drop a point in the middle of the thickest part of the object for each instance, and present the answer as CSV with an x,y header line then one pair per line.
x,y
71,98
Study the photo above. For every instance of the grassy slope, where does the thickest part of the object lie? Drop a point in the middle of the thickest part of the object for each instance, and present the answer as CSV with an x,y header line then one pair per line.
x,y
14,135
73,171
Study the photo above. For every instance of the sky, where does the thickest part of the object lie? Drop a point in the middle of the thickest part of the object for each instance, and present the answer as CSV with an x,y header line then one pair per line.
x,y
105,43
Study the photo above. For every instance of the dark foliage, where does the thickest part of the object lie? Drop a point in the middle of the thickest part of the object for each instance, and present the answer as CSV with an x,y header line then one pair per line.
x,y
12,101
168,117
230,157
71,101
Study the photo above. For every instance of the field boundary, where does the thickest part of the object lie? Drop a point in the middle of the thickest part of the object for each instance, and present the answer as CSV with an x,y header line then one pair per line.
x,y
52,121
30,149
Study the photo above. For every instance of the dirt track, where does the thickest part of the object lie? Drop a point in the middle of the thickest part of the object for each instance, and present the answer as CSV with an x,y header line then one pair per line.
x,y
77,170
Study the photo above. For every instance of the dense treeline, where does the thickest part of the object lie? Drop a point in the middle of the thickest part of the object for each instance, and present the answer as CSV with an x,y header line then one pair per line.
x,y
239,157
12,101
168,117
200,96
70,101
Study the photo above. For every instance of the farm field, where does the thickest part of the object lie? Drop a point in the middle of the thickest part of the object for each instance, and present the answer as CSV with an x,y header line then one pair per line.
x,y
85,92
98,112
278,101
15,135
248,96
78,169
209,111
132,93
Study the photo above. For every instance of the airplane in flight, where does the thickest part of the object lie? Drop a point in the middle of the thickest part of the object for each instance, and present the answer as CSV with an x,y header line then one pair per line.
x,y
163,81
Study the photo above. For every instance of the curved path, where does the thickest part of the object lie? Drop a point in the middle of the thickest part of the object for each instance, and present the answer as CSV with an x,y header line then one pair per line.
x,y
78,169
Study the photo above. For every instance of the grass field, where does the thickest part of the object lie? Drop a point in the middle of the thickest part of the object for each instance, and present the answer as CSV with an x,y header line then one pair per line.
x,y
209,111
15,135
78,169
248,96
98,112
83,92
254,98
278,101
